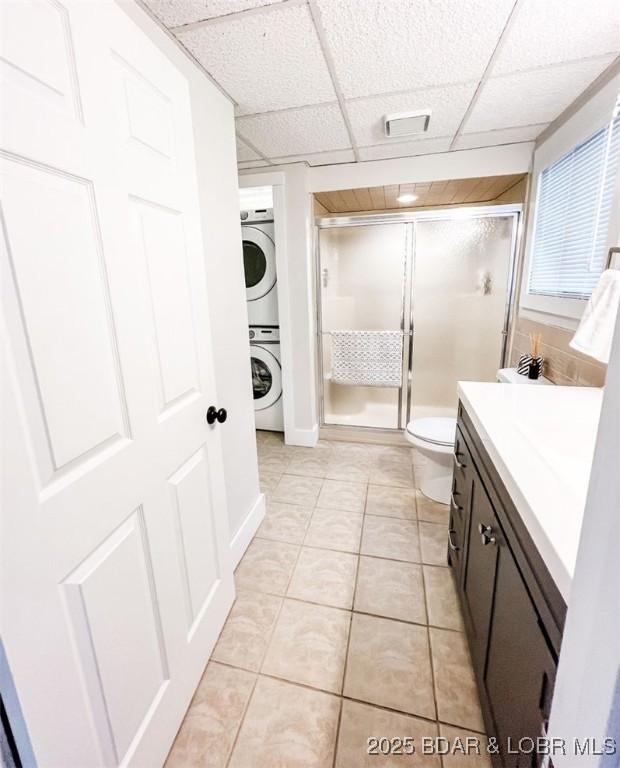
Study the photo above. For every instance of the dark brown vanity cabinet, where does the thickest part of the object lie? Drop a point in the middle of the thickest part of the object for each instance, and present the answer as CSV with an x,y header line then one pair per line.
x,y
513,613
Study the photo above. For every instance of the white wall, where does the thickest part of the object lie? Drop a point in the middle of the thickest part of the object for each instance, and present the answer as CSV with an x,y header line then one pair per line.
x,y
302,302
589,118
297,301
214,138
586,702
462,164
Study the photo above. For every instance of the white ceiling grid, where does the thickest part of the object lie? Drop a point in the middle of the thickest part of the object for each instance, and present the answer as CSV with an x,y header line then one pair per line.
x,y
312,79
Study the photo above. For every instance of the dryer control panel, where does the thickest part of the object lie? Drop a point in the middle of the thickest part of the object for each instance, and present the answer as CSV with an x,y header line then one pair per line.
x,y
260,214
264,333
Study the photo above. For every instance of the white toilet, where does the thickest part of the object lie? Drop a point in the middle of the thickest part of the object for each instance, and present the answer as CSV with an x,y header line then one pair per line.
x,y
434,438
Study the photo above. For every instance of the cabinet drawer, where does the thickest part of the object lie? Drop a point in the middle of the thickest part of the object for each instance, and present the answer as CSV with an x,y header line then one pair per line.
x,y
456,527
459,504
462,456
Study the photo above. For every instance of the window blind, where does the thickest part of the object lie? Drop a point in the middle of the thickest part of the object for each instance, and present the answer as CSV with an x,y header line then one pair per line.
x,y
572,217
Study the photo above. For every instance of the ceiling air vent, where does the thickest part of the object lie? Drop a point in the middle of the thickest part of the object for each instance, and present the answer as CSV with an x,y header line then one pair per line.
x,y
407,123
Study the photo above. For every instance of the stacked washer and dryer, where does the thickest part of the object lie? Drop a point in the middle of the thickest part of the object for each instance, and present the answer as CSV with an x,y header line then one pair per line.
x,y
259,263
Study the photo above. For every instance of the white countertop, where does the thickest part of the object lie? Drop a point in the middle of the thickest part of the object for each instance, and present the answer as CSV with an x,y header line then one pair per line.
x,y
541,441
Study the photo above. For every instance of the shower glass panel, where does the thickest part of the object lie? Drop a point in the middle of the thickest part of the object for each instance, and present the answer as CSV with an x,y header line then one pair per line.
x,y
361,288
461,281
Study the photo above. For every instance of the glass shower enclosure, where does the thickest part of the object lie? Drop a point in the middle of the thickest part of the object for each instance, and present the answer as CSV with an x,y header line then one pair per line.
x,y
409,304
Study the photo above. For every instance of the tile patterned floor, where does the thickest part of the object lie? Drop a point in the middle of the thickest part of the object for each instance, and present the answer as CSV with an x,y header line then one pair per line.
x,y
346,623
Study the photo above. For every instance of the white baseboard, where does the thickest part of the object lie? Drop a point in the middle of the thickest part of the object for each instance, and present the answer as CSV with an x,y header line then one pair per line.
x,y
305,437
248,528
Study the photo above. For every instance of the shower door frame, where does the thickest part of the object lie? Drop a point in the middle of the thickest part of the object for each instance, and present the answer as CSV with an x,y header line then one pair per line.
x,y
409,219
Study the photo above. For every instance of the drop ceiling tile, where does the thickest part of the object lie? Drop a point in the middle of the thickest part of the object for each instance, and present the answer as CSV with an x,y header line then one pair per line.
x,y
265,61
405,44
173,13
296,131
447,105
244,152
318,158
252,164
502,136
537,96
405,149
545,32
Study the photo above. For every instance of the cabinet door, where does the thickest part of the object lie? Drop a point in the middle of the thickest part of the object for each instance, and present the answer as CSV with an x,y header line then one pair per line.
x,y
459,505
520,670
479,576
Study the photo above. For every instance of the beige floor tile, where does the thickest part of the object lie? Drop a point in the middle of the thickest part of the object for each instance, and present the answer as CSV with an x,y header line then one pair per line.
x,y
266,446
455,686
352,469
269,481
431,511
287,727
293,489
390,588
266,566
266,436
391,538
331,529
273,462
285,522
309,645
357,451
342,495
396,454
474,745
322,450
360,722
389,664
324,576
392,473
308,466
213,718
434,543
441,598
386,501
245,635
419,461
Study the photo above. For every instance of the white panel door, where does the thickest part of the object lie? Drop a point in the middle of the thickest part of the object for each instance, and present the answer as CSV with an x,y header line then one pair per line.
x,y
116,575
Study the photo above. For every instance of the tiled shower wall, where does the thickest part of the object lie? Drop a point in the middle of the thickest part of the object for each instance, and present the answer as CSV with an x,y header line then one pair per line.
x,y
563,364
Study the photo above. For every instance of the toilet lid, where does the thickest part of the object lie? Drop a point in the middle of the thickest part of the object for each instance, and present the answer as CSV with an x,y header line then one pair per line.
x,y
440,430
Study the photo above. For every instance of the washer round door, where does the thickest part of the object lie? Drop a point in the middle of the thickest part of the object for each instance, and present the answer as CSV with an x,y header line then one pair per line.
x,y
266,377
259,262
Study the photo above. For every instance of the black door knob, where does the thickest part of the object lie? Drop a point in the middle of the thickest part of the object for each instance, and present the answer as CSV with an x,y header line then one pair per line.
x,y
214,415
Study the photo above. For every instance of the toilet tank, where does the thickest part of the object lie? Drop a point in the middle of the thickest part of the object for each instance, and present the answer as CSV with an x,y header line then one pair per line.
x,y
510,376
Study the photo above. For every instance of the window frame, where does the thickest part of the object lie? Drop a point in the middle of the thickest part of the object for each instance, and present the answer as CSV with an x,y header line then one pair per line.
x,y
557,310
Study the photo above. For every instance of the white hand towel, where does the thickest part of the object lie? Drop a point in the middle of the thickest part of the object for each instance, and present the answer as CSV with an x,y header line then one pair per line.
x,y
595,332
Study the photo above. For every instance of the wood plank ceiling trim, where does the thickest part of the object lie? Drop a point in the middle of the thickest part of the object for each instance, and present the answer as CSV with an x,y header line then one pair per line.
x,y
450,192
